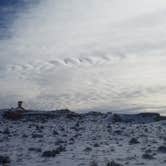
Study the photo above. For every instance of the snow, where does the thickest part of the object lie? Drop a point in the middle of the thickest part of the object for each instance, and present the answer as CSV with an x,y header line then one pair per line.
x,y
85,138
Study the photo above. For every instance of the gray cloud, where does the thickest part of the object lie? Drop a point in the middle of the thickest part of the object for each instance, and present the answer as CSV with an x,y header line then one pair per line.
x,y
86,55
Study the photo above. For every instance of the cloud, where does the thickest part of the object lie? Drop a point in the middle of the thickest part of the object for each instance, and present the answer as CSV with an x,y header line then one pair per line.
x,y
85,55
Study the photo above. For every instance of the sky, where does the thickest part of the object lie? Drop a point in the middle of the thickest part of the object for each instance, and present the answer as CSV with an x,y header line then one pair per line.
x,y
99,55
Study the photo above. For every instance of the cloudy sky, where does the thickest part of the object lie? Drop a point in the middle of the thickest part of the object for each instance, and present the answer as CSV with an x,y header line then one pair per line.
x,y
83,54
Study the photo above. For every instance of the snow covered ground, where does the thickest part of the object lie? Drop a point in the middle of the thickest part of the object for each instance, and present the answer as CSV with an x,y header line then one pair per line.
x,y
70,139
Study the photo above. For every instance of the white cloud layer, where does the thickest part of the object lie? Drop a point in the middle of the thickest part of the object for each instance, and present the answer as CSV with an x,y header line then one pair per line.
x,y
86,54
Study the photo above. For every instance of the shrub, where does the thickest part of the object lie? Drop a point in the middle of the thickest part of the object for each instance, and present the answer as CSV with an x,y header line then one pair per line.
x,y
133,141
35,149
15,115
147,156
113,163
162,149
53,153
116,118
4,159
93,163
